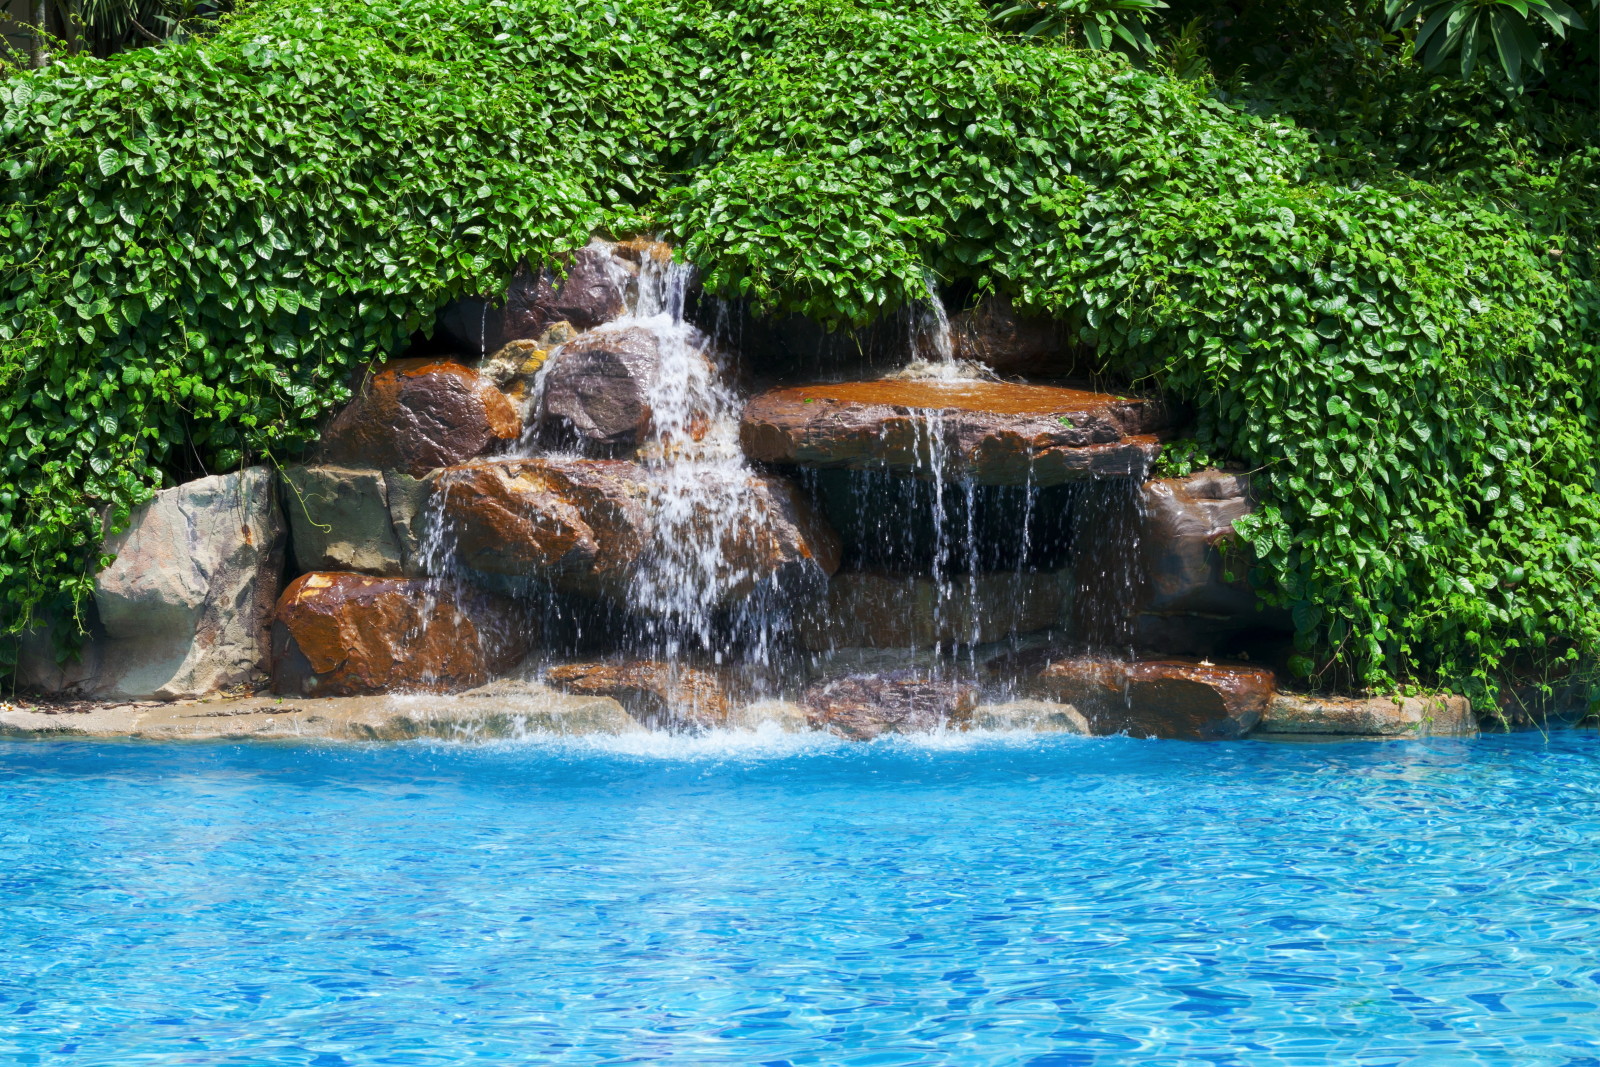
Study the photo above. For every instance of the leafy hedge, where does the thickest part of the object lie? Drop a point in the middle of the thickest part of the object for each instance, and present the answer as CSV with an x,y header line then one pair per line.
x,y
206,238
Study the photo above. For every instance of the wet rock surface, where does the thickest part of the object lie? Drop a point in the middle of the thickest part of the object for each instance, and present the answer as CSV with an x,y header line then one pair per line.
x,y
1440,715
598,386
500,709
1033,716
997,335
580,524
993,433
418,414
586,526
184,608
342,634
1168,698
659,694
593,291
863,609
861,707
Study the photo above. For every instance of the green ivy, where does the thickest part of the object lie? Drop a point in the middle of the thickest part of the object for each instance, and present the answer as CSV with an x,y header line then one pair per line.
x,y
208,237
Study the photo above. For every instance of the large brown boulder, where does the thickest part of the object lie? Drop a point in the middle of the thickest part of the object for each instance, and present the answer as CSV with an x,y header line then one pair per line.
x,y
995,334
183,609
418,414
658,694
593,290
861,707
588,527
341,634
580,524
598,386
1169,698
992,433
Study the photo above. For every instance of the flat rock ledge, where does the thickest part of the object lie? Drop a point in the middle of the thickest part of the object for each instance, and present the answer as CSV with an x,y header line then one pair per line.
x,y
1294,715
991,433
497,710
1176,699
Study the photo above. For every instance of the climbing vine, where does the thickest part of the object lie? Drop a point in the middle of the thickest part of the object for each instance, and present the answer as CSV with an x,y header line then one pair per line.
x,y
206,238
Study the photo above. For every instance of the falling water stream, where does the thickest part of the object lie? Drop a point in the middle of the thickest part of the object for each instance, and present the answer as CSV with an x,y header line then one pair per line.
x,y
691,598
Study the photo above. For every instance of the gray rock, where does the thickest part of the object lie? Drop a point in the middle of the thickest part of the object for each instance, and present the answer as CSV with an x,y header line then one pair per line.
x,y
1439,715
184,608
500,709
339,520
1036,716
597,386
409,517
594,290
786,715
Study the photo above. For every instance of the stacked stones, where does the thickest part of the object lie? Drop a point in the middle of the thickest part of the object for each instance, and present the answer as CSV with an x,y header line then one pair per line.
x,y
441,500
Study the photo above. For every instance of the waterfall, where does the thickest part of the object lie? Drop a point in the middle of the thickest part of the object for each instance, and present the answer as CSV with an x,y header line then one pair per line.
x,y
701,489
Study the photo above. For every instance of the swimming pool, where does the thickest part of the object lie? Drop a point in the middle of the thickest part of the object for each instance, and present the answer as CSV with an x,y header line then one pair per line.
x,y
783,900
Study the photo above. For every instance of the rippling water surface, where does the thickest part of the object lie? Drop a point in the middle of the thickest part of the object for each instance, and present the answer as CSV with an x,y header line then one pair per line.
x,y
787,901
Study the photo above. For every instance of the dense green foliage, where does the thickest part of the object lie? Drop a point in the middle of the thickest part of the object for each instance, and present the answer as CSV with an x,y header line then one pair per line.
x,y
206,238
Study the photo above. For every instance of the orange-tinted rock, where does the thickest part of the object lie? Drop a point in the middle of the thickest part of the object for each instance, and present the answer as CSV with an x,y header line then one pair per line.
x,y
863,706
994,433
341,634
995,334
593,290
586,525
658,694
418,414
579,523
1160,698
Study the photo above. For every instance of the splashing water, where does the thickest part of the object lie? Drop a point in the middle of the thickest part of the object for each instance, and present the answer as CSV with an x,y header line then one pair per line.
x,y
933,350
706,506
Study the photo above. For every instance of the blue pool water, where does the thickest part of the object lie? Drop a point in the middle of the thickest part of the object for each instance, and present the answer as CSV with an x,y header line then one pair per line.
x,y
1042,902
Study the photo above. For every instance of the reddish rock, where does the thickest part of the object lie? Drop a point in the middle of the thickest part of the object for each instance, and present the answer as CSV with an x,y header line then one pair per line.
x,y
592,291
598,385
586,525
864,706
995,334
418,414
1160,698
341,634
581,524
658,694
994,433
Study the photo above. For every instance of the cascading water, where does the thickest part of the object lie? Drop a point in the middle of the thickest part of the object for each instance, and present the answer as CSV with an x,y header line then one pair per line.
x,y
695,591
699,592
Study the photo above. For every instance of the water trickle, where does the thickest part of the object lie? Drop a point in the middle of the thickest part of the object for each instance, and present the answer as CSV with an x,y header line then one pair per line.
x,y
933,350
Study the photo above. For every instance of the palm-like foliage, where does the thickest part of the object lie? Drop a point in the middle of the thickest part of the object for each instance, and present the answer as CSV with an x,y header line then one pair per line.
x,y
1103,23
1467,29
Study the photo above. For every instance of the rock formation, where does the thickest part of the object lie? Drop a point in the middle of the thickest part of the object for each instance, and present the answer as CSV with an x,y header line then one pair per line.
x,y
184,607
418,414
